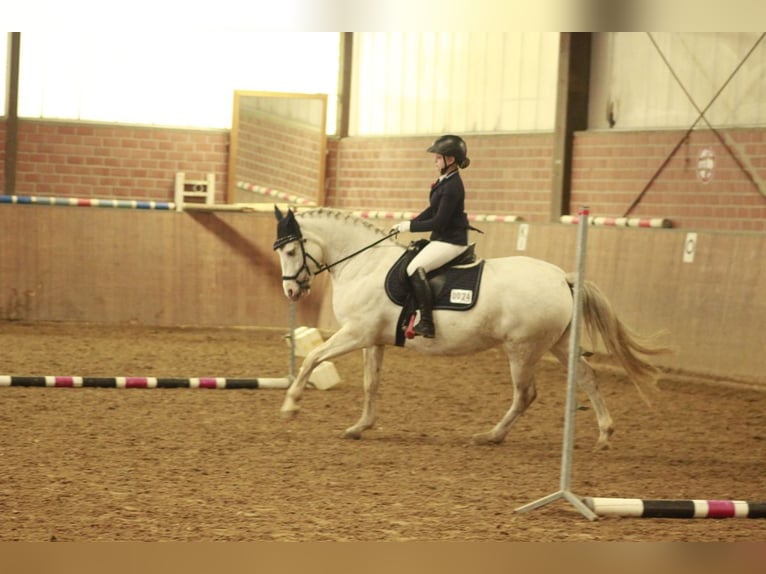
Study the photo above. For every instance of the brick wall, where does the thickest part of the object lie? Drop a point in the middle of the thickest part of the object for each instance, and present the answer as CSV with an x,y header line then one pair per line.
x,y
107,161
611,169
510,174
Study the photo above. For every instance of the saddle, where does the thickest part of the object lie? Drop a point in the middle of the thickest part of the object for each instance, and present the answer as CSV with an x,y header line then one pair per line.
x,y
454,285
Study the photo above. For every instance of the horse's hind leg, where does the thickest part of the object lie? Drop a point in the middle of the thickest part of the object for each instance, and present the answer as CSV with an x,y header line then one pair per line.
x,y
524,394
586,380
373,359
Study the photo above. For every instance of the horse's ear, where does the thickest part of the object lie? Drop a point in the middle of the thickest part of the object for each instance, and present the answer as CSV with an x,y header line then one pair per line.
x,y
278,213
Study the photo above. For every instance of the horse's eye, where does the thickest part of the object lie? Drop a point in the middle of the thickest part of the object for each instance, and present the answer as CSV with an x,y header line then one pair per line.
x,y
290,252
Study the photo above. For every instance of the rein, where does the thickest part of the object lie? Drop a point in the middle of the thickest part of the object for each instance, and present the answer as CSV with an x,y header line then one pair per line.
x,y
326,266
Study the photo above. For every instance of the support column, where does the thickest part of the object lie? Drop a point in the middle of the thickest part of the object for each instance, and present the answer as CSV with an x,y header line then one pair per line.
x,y
573,92
11,112
344,104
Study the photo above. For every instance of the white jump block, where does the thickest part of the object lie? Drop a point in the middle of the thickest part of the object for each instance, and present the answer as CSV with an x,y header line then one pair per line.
x,y
306,339
324,376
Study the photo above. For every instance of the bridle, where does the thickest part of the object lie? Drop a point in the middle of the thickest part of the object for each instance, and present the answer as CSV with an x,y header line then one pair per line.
x,y
305,255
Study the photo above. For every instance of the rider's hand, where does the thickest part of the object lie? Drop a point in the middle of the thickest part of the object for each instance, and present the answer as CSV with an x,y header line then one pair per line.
x,y
404,226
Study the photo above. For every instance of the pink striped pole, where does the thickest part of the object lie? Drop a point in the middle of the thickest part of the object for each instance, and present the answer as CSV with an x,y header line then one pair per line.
x,y
143,382
646,222
655,222
275,193
692,508
404,215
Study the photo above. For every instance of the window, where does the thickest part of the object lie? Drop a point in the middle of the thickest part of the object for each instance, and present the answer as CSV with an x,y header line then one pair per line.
x,y
425,83
176,78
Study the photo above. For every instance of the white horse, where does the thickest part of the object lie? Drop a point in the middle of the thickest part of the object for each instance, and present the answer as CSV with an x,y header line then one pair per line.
x,y
525,305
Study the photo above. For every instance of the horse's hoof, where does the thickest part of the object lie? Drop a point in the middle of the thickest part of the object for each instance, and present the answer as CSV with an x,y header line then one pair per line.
x,y
352,434
602,446
289,414
485,438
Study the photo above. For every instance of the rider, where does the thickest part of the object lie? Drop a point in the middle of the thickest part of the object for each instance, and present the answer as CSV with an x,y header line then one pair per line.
x,y
445,218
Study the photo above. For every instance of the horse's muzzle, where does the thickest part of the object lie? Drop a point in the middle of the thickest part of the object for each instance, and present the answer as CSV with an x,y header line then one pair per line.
x,y
295,290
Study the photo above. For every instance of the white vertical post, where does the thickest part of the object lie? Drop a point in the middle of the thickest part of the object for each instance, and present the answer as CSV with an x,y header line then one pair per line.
x,y
571,404
210,189
178,194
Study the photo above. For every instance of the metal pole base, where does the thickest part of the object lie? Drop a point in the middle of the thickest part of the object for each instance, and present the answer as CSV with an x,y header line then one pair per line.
x,y
575,500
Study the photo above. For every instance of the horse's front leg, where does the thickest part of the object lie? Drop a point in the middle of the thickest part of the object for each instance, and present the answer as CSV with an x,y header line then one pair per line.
x,y
342,342
373,359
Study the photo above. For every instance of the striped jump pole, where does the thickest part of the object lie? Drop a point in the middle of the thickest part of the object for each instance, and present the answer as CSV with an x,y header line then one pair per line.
x,y
275,193
647,508
644,222
88,202
143,382
138,204
404,215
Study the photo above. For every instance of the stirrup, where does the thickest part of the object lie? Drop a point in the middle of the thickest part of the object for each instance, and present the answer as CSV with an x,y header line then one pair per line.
x,y
409,330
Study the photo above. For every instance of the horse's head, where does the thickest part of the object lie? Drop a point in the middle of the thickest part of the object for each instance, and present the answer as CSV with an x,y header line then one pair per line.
x,y
294,256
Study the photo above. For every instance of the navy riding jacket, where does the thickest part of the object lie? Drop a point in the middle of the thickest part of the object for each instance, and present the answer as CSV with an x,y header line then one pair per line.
x,y
445,216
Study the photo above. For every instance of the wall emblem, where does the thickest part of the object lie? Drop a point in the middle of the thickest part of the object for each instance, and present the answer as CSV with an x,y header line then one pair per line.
x,y
705,165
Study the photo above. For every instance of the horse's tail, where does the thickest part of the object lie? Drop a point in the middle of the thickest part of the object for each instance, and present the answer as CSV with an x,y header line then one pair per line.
x,y
628,347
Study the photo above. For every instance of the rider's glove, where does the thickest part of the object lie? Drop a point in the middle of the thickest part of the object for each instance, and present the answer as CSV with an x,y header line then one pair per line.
x,y
404,226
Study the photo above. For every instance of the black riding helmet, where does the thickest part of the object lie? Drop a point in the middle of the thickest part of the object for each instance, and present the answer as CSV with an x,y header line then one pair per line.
x,y
450,145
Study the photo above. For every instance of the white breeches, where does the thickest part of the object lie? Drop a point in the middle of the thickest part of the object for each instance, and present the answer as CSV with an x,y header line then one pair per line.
x,y
434,255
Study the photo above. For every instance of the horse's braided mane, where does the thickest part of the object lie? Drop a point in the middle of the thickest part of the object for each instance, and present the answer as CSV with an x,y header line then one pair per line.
x,y
337,214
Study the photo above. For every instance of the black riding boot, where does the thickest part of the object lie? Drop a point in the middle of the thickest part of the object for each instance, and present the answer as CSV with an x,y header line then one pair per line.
x,y
420,287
